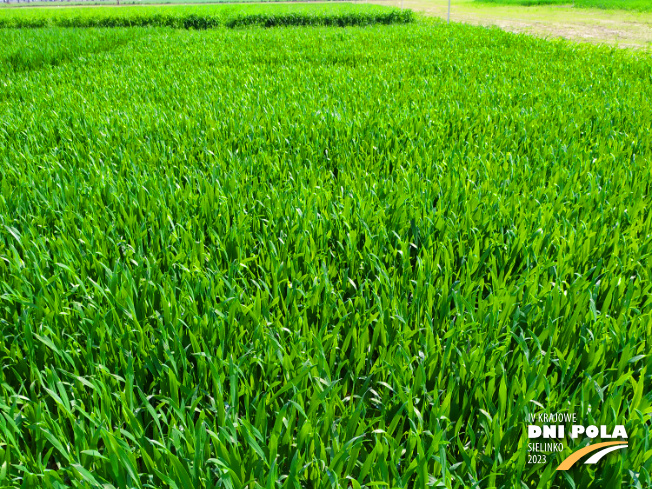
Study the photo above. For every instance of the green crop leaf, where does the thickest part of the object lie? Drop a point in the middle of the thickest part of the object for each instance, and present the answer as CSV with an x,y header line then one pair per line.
x,y
317,245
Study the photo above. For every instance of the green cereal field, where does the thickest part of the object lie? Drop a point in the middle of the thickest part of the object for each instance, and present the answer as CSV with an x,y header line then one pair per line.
x,y
317,246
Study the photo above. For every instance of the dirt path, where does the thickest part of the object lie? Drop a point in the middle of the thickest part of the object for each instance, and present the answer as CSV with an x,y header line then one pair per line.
x,y
613,27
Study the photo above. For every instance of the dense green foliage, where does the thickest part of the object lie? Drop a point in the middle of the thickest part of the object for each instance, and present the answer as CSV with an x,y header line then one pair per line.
x,y
640,5
68,3
31,50
319,257
207,16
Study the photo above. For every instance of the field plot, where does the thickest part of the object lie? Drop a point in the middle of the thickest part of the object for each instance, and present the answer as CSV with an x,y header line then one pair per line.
x,y
79,3
639,5
86,3
206,16
318,256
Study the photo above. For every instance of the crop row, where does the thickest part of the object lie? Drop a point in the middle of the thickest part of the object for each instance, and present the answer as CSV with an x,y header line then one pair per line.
x,y
206,17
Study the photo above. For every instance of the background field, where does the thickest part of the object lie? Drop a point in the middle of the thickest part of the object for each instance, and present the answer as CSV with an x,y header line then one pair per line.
x,y
640,5
633,5
66,3
637,5
622,28
624,24
205,16
318,256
